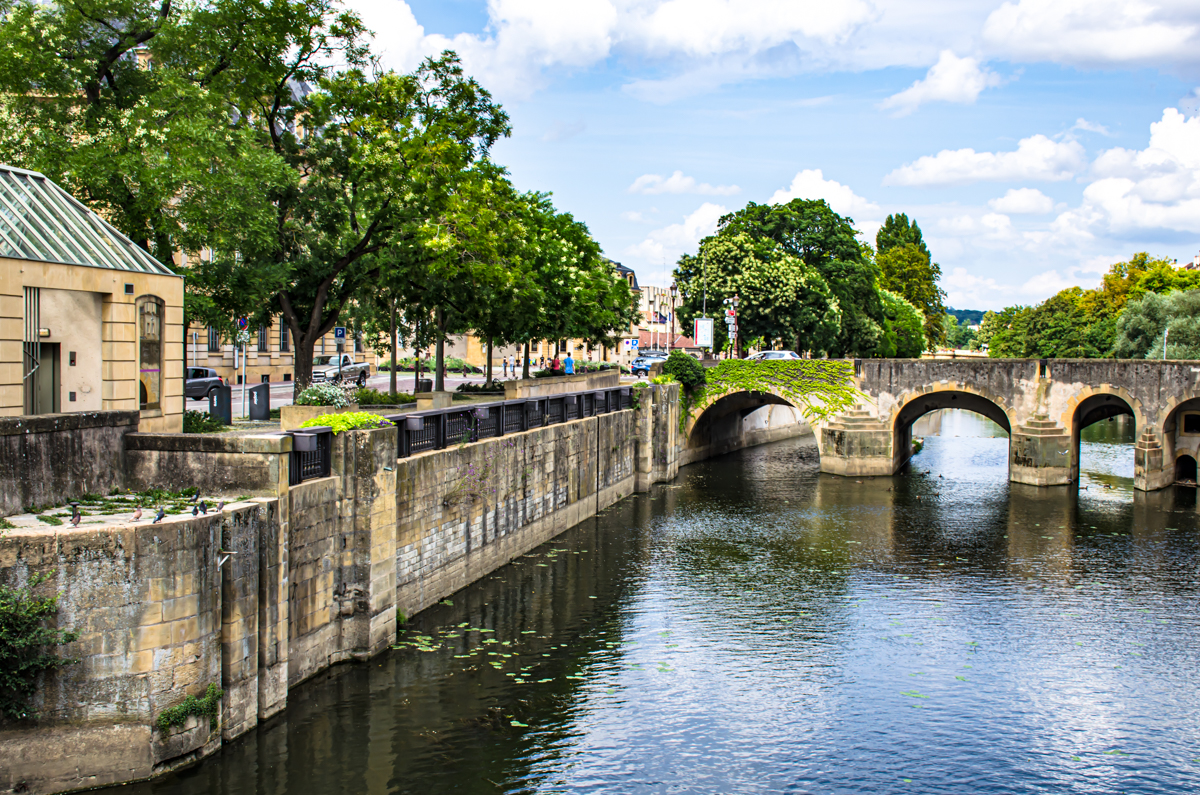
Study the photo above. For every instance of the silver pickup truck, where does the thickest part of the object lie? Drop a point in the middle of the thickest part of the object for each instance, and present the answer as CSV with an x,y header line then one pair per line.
x,y
339,367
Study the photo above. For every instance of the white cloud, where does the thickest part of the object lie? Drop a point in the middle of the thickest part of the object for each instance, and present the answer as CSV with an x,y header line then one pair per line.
x,y
811,184
1087,126
666,244
1036,158
635,217
1153,188
966,290
1022,200
951,79
654,184
1097,32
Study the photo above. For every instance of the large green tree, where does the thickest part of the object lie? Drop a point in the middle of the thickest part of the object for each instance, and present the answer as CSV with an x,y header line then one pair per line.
x,y
1141,327
898,231
907,270
781,298
139,109
904,335
826,242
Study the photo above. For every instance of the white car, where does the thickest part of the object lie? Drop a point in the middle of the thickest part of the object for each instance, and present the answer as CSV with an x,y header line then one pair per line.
x,y
765,355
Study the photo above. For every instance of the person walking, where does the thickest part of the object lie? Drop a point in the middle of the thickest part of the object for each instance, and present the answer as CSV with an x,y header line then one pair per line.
x,y
568,365
555,366
505,366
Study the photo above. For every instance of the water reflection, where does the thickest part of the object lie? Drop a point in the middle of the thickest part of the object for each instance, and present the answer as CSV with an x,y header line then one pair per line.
x,y
758,627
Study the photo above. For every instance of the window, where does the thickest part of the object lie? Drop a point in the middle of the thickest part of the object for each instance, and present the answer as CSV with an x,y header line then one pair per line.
x,y
150,341
1191,423
285,343
264,339
214,340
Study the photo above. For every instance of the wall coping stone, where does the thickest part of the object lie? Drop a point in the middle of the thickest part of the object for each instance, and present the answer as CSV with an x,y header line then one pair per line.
x,y
52,423
209,443
560,384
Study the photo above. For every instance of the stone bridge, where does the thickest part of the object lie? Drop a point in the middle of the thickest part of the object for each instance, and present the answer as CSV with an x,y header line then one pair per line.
x,y
1042,405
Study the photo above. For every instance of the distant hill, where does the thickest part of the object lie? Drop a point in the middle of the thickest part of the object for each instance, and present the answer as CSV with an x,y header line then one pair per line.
x,y
966,317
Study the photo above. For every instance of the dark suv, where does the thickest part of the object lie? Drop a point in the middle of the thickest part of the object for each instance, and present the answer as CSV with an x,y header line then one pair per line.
x,y
200,381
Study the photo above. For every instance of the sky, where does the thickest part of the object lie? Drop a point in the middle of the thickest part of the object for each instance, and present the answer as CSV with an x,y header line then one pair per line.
x,y
1036,142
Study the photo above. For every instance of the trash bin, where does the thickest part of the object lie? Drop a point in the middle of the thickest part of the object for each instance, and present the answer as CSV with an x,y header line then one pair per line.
x,y
425,385
259,398
220,403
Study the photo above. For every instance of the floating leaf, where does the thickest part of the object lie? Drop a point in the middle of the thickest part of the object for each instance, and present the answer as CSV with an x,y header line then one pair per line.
x,y
518,723
912,694
962,678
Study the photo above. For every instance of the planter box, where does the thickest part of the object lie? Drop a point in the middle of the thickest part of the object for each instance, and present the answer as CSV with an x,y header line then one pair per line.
x,y
559,385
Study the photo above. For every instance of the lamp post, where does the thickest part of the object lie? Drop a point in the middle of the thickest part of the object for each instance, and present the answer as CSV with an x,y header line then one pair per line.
x,y
671,316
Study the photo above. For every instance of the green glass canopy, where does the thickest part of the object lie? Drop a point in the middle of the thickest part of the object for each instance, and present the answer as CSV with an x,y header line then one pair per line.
x,y
40,221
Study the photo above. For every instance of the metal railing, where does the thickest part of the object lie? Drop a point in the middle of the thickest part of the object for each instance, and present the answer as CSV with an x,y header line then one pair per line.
x,y
441,428
312,454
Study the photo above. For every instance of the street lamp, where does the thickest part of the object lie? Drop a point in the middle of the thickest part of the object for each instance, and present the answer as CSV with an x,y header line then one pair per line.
x,y
671,316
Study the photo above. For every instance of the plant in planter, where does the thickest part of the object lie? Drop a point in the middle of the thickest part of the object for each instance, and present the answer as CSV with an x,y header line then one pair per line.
x,y
349,421
323,395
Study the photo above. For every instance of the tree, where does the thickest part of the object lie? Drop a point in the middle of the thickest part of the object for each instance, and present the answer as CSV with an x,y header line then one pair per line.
x,y
1140,327
906,270
780,297
1004,332
897,231
826,242
135,108
904,335
1057,328
958,336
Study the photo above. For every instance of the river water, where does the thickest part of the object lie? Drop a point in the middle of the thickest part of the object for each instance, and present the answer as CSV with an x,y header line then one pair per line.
x,y
757,627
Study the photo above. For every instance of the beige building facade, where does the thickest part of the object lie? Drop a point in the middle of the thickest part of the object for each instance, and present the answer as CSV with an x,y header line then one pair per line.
x,y
88,320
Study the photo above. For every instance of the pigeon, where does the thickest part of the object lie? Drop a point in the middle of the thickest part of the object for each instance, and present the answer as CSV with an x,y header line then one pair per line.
x,y
220,506
203,507
137,513
159,516
194,497
75,517
195,510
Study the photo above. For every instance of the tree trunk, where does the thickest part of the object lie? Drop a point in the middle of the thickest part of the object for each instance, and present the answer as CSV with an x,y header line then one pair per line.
x,y
487,376
439,362
525,361
392,380
302,360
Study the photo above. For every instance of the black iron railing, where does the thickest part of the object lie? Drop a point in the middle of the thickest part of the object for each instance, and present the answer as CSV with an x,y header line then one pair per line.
x,y
441,428
312,454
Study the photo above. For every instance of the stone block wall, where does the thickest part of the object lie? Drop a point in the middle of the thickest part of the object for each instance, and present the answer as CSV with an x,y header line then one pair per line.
x,y
276,589
49,458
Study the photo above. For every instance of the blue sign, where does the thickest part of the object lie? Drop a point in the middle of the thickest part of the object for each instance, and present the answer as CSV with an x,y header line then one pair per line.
x,y
339,332
242,323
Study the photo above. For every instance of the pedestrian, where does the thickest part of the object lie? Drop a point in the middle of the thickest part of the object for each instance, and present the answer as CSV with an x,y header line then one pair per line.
x,y
568,365
505,361
555,366
542,365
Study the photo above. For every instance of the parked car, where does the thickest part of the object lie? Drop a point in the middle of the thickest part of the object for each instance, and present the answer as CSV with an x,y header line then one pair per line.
x,y
641,365
200,382
765,355
339,367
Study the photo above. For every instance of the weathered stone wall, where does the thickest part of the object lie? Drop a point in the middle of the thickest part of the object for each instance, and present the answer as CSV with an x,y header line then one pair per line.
x,y
49,458
147,602
463,512
274,590
214,464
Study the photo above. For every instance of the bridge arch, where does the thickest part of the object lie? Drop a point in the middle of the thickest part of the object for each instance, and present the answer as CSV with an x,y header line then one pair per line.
x,y
911,407
715,426
1180,433
1096,404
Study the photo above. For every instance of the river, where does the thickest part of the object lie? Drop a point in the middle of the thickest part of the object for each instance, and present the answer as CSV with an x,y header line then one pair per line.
x,y
757,627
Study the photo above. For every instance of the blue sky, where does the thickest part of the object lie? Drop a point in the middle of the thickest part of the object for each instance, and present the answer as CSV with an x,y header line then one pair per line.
x,y
1035,141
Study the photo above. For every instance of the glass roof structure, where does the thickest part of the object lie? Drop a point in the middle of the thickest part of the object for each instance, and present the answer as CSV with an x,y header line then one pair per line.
x,y
40,221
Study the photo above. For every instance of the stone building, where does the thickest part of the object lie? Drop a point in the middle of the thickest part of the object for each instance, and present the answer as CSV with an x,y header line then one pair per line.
x,y
88,320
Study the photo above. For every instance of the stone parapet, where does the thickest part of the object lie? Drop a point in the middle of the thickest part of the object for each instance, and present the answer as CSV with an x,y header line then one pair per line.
x,y
550,386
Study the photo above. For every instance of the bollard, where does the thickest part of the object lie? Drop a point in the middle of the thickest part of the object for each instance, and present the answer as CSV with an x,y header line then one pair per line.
x,y
220,403
260,402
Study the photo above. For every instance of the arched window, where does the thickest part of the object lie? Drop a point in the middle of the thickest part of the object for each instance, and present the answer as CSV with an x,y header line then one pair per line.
x,y
150,315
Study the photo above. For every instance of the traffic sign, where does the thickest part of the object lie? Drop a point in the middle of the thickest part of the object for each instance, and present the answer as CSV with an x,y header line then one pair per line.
x,y
339,332
242,323
633,344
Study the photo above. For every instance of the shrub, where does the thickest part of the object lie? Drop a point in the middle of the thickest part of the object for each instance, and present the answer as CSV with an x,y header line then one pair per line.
x,y
349,421
201,422
684,369
492,386
373,397
665,378
26,645
209,706
323,395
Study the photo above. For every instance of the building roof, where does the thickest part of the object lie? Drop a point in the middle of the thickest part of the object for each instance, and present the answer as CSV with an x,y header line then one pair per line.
x,y
626,273
40,221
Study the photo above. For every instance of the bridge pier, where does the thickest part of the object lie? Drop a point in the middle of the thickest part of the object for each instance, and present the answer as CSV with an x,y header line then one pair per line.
x,y
858,444
1039,453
